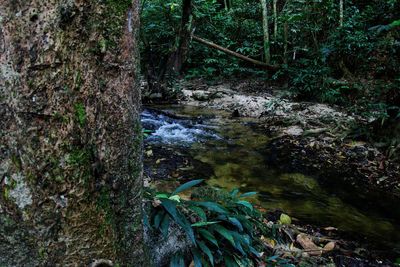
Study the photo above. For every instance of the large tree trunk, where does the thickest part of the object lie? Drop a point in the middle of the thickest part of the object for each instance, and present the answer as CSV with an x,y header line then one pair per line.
x,y
70,140
264,6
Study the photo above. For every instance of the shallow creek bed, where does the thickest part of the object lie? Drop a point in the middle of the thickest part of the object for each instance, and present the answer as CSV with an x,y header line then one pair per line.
x,y
189,142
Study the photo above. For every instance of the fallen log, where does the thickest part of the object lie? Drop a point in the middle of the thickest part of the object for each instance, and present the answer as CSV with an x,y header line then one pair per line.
x,y
235,54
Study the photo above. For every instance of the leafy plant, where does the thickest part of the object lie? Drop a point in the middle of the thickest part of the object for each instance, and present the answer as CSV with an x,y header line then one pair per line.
x,y
223,227
147,133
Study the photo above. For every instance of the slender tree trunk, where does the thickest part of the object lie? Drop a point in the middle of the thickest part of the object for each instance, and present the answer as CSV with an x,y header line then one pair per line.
x,y
341,16
267,54
275,3
179,56
285,42
286,34
70,139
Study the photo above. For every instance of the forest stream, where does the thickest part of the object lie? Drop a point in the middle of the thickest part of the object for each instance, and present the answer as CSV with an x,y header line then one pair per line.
x,y
191,143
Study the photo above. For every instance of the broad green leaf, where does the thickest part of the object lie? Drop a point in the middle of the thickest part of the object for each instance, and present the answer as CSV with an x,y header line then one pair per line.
x,y
170,206
248,194
146,220
161,196
187,186
199,224
185,224
175,198
224,232
236,223
199,211
234,192
209,236
241,238
395,23
240,261
158,218
206,251
245,203
212,206
165,225
245,223
238,246
255,252
196,258
229,261
177,261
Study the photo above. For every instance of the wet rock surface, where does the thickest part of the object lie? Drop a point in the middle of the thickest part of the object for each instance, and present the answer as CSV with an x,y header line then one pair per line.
x,y
163,162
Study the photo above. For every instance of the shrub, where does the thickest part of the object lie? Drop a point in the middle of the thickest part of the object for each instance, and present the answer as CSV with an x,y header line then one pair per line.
x,y
223,227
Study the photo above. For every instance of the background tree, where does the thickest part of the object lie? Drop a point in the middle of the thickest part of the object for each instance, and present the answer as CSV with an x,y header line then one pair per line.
x,y
179,55
70,136
267,53
341,12
275,3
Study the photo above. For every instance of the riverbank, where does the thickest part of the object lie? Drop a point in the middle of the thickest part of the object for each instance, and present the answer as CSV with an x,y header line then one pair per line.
x,y
306,136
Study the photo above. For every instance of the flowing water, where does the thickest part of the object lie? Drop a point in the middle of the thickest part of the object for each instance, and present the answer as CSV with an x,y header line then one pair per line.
x,y
236,154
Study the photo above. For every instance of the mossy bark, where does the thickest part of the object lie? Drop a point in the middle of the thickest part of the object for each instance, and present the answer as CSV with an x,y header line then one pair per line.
x,y
70,139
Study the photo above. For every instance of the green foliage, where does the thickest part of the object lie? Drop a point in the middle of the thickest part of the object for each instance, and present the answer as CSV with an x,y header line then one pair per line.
x,y
222,227
146,132
355,64
239,30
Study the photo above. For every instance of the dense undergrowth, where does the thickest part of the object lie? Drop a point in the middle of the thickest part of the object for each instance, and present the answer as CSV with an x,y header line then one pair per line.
x,y
222,228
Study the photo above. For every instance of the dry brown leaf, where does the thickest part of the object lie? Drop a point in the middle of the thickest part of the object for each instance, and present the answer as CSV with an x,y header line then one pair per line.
x,y
329,246
308,245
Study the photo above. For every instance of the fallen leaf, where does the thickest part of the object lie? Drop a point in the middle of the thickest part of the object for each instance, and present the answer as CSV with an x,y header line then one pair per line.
x,y
271,243
308,245
329,246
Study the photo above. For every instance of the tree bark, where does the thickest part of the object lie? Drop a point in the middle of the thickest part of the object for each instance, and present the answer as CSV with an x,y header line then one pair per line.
x,y
285,42
179,56
341,11
70,139
275,3
286,35
267,53
232,53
